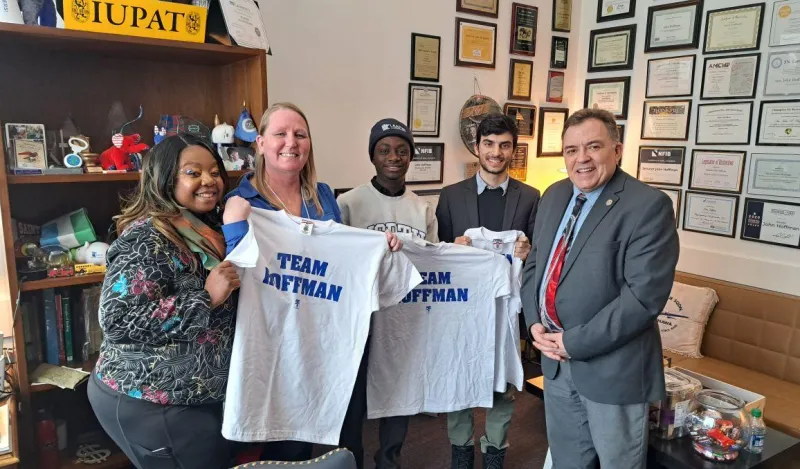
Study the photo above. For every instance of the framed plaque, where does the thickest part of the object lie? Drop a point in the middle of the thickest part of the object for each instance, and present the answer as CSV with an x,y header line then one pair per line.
x,y
612,48
776,175
609,94
559,49
611,10
424,109
476,43
670,77
555,87
724,123
783,73
785,29
425,57
734,29
562,15
520,75
523,29
551,125
523,115
771,222
661,165
779,123
673,26
713,214
518,169
478,7
730,77
666,120
675,196
716,170
427,166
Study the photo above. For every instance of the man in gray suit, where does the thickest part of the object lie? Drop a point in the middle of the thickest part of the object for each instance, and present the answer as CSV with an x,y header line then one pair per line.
x,y
497,202
601,269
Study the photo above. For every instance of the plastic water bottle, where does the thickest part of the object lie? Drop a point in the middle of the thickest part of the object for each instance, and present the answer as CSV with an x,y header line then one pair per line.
x,y
757,432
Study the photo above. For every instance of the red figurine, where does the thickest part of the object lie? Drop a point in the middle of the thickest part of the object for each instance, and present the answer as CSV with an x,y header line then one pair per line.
x,y
119,155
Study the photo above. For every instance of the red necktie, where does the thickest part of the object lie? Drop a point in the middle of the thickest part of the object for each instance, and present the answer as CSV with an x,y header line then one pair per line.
x,y
557,262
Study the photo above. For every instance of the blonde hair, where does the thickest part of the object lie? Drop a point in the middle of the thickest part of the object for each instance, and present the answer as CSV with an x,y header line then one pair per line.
x,y
308,175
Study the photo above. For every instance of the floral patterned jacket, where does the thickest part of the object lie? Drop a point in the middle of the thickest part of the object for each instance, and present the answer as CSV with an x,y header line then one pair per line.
x,y
162,342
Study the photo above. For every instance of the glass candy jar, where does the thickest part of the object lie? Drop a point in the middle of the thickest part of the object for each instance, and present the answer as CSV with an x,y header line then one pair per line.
x,y
718,425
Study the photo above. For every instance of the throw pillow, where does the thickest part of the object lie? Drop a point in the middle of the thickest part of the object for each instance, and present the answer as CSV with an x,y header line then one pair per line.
x,y
684,318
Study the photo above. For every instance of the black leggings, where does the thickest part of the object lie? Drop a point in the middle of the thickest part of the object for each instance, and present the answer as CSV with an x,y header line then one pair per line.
x,y
157,436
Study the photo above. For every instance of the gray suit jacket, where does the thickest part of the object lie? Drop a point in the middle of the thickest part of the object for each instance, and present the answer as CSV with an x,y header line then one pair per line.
x,y
615,281
458,208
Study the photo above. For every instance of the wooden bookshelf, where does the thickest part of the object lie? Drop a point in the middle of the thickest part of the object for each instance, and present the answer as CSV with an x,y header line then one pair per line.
x,y
72,281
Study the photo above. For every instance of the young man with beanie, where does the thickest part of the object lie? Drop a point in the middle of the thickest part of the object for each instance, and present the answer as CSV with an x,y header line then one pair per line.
x,y
384,204
494,201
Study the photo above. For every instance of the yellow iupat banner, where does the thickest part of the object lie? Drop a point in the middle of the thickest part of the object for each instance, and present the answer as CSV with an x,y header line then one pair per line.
x,y
143,18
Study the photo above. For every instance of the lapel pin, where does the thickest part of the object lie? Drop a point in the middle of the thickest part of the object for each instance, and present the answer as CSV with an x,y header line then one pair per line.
x,y
609,202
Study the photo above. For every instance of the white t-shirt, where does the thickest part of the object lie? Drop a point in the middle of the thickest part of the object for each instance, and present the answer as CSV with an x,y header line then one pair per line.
x,y
507,365
434,352
304,312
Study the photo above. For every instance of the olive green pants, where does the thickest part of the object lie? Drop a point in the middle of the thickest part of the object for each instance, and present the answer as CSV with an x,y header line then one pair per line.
x,y
460,425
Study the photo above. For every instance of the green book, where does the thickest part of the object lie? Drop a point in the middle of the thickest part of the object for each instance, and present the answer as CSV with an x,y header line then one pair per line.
x,y
66,309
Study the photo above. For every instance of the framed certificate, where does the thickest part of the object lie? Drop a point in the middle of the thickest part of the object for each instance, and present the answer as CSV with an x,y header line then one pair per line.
x,y
551,125
476,43
783,73
675,196
518,169
621,132
661,165
666,120
520,74
559,49
424,109
710,213
776,175
730,77
779,123
670,76
555,87
610,10
429,196
673,26
562,15
612,48
523,29
478,7
523,115
724,123
425,57
771,222
609,94
427,166
785,29
715,170
734,29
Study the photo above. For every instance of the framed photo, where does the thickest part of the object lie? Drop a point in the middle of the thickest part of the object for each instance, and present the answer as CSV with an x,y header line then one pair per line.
x,y
673,26
562,15
559,50
785,29
427,166
555,87
661,165
734,29
608,94
430,196
520,76
524,19
524,115
424,109
730,77
666,120
238,158
670,77
675,196
776,175
425,57
771,222
716,170
611,10
724,123
476,43
783,73
519,163
779,123
26,147
612,48
708,213
551,125
478,7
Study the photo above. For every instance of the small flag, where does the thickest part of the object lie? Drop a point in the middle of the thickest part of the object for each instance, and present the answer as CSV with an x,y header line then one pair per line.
x,y
245,128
